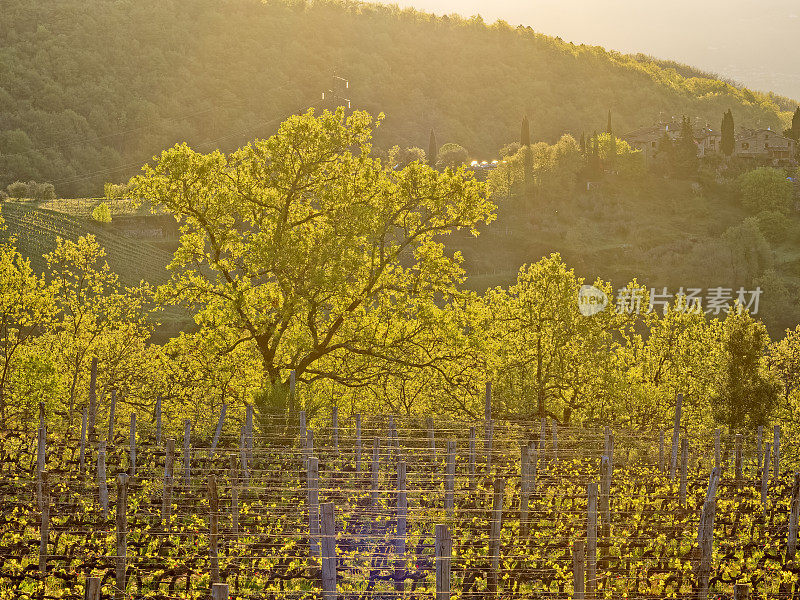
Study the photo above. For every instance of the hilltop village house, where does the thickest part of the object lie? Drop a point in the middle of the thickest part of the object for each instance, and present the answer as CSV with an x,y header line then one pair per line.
x,y
757,144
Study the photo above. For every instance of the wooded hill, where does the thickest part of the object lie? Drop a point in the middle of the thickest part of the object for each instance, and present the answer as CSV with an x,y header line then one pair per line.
x,y
92,89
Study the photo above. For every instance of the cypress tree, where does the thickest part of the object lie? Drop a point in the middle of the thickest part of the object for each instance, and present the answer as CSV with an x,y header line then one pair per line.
x,y
727,131
794,131
608,126
686,149
583,143
433,149
525,133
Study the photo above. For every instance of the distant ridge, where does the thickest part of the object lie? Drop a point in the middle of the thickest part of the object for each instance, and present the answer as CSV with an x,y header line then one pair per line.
x,y
92,89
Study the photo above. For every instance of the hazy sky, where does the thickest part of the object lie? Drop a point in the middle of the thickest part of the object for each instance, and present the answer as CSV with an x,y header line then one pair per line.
x,y
755,42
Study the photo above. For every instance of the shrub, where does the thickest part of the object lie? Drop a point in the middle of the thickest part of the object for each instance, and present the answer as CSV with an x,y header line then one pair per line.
x,y
18,189
41,191
765,188
773,225
452,155
101,213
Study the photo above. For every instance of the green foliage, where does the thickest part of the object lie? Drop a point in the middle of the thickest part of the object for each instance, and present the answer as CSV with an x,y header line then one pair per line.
x,y
102,214
525,132
452,156
36,191
400,159
304,251
774,225
728,141
82,101
685,150
18,189
747,393
794,130
765,188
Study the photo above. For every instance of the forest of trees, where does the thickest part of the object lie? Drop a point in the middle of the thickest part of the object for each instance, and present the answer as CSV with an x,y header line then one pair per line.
x,y
90,90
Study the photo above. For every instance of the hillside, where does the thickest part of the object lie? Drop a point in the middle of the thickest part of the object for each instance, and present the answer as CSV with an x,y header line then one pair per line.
x,y
91,89
663,232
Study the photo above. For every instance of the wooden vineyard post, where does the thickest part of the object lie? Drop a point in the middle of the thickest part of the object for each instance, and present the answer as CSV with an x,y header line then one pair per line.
x,y
794,517
41,450
358,443
494,537
487,414
738,473
303,425
471,459
578,573
243,457
605,498
44,526
394,440
591,542
776,453
219,591
450,474
525,488
705,535
249,438
489,442
661,451
335,431
132,446
187,450
717,453
313,505
169,478
111,410
760,445
444,555
92,399
555,441
92,589
158,420
533,455
102,481
684,471
218,430
542,440
310,443
328,552
82,458
741,591
765,477
376,449
390,445
213,527
676,430
432,442
122,534
234,476
400,540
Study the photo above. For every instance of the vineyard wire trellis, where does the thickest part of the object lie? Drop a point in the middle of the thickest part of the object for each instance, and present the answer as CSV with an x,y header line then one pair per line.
x,y
160,539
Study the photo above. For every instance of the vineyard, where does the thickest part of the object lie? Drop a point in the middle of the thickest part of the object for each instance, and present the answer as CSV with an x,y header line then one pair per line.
x,y
388,507
37,229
